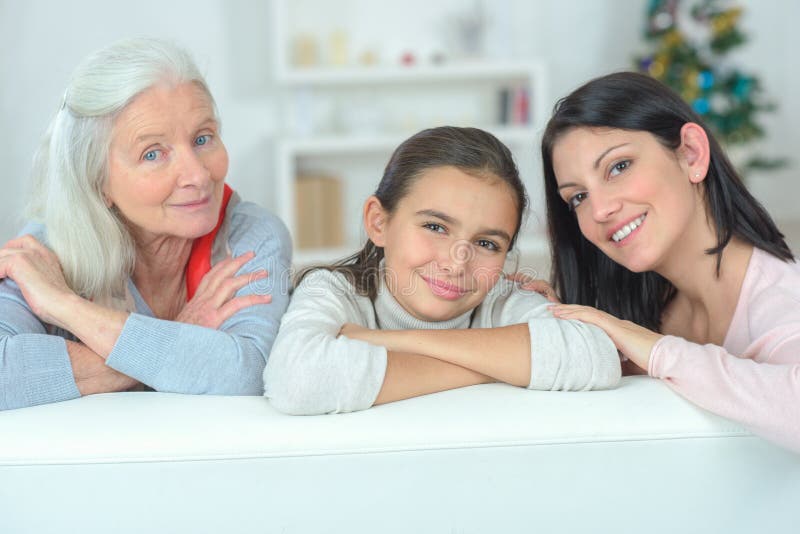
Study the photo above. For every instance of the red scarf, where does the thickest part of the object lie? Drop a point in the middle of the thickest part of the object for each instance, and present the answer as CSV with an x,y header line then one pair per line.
x,y
200,257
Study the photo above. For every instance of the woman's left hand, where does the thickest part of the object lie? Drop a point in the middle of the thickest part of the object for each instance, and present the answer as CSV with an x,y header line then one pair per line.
x,y
37,271
633,341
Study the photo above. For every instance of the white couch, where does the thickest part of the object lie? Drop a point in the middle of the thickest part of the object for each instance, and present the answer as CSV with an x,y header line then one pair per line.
x,y
487,458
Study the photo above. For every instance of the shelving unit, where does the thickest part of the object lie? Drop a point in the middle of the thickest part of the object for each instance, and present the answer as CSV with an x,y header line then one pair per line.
x,y
462,93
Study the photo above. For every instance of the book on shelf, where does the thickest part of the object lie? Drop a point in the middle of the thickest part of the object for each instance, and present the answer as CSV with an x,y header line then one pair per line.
x,y
319,211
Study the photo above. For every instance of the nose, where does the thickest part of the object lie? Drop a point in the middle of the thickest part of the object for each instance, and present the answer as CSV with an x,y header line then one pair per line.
x,y
456,256
191,169
604,204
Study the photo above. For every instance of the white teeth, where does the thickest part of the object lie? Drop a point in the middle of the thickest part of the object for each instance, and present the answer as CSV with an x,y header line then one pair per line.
x,y
623,232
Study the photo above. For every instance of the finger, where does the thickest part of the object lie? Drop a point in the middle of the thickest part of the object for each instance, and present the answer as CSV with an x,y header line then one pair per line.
x,y
229,287
543,288
24,241
233,306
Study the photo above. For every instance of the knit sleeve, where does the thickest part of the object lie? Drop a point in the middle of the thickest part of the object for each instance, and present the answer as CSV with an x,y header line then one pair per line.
x,y
34,365
759,389
566,355
184,358
311,369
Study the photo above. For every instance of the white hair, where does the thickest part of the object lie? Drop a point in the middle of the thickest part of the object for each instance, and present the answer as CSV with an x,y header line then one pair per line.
x,y
70,168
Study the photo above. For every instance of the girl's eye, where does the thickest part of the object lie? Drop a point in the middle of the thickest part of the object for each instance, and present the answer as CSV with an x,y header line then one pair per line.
x,y
202,140
151,155
434,227
488,245
575,200
617,168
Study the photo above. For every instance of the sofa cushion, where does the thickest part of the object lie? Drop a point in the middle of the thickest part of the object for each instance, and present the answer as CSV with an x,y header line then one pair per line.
x,y
479,459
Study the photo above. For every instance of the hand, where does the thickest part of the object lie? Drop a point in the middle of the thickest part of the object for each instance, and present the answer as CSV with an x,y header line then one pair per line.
x,y
532,284
633,341
37,271
215,300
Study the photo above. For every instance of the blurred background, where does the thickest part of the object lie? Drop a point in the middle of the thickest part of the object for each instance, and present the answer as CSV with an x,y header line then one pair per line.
x,y
314,94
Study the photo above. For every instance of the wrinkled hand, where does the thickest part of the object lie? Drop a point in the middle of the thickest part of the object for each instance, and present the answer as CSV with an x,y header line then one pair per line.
x,y
215,300
533,284
37,271
633,341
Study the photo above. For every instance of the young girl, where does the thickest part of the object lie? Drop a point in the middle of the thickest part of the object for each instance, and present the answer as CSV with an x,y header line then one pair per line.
x,y
650,223
422,307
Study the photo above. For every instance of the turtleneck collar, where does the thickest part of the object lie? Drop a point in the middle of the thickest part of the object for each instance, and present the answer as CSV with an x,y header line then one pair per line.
x,y
392,316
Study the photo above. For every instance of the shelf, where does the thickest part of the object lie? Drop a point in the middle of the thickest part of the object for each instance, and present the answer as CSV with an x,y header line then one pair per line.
x,y
448,72
347,144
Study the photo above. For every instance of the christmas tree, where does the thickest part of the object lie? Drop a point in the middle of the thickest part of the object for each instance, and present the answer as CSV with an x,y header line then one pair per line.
x,y
727,98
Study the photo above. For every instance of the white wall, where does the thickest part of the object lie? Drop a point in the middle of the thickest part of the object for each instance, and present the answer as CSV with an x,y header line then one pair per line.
x,y
42,41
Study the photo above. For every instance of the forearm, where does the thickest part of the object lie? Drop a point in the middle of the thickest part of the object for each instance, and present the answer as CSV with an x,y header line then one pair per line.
x,y
96,326
411,375
91,373
502,353
177,357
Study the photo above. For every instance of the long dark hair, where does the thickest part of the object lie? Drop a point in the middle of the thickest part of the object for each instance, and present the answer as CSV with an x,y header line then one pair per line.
x,y
473,151
580,272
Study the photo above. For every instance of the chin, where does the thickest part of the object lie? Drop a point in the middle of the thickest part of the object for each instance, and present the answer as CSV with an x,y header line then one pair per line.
x,y
436,314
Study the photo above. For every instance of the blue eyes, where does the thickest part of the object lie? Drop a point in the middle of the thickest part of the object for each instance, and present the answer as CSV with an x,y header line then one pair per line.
x,y
155,154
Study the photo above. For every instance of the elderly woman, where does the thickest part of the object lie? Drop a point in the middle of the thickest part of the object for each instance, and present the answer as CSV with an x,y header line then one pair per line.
x,y
144,269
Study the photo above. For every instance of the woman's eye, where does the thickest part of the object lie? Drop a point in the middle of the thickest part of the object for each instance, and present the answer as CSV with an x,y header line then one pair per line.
x,y
202,140
575,200
151,155
488,245
433,227
617,168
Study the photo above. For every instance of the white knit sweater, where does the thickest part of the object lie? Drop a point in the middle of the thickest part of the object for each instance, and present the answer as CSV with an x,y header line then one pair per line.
x,y
312,371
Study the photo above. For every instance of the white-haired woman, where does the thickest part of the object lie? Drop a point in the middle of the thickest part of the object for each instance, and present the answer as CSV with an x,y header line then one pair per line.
x,y
142,267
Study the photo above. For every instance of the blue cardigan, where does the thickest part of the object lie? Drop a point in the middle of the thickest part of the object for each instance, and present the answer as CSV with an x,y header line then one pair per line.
x,y
164,355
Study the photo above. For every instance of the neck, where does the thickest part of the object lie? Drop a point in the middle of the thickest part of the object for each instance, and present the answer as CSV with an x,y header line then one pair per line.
x,y
705,303
159,273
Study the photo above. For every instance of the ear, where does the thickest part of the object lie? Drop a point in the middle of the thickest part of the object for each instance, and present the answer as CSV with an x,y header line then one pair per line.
x,y
695,151
104,195
375,218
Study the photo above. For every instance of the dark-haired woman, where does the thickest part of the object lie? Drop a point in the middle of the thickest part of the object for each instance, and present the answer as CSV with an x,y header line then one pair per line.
x,y
423,308
656,240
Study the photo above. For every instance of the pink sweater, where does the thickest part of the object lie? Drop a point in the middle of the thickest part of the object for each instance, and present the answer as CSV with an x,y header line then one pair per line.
x,y
754,378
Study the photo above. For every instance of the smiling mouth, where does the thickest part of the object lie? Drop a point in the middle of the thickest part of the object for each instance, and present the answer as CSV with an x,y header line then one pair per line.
x,y
193,204
625,231
445,290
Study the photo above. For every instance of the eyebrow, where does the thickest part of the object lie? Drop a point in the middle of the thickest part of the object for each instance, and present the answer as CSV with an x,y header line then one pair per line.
x,y
208,121
596,164
450,220
600,158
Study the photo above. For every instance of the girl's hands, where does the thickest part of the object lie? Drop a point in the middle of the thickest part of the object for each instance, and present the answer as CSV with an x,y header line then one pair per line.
x,y
633,341
215,300
37,271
